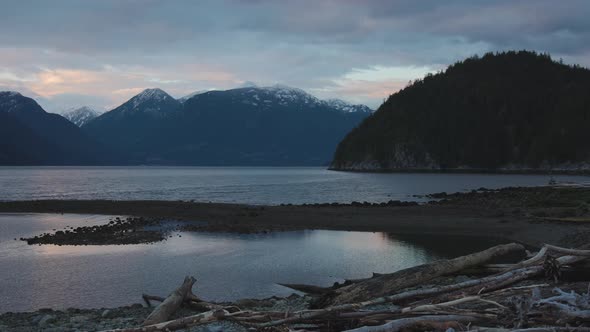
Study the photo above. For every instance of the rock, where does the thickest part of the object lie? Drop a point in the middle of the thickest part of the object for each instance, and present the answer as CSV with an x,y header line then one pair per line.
x,y
78,319
53,329
35,320
46,320
106,313
461,278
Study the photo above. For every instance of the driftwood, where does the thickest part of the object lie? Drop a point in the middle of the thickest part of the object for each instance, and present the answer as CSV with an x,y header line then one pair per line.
x,y
191,301
399,324
172,303
569,304
476,286
534,329
433,308
308,289
181,323
393,282
506,278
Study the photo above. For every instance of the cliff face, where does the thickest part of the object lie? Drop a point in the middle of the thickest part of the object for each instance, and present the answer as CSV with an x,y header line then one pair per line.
x,y
508,111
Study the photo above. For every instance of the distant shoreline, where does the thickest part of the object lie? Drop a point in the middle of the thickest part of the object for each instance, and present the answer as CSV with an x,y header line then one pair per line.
x,y
523,171
530,215
531,171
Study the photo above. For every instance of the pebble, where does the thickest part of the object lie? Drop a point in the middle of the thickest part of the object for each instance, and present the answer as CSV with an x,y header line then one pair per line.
x,y
461,278
46,320
78,319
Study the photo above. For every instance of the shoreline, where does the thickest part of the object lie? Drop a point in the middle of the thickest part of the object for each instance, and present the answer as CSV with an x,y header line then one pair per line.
x,y
533,171
529,215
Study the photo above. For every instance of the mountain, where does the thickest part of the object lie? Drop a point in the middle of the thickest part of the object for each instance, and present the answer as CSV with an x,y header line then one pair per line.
x,y
81,116
512,110
190,95
276,125
127,125
341,105
31,136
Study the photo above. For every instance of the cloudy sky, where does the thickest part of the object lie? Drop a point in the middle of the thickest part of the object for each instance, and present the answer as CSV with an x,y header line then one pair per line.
x,y
100,53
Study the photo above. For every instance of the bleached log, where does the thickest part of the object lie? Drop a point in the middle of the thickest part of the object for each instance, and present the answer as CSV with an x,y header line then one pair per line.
x,y
468,287
393,282
172,303
569,304
191,302
308,289
533,329
547,248
181,323
398,324
506,278
433,307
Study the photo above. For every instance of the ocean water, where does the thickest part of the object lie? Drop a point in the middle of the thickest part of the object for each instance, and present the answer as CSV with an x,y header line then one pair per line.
x,y
251,185
227,266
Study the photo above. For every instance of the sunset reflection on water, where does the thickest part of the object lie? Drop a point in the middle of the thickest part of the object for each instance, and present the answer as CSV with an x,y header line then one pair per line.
x,y
228,266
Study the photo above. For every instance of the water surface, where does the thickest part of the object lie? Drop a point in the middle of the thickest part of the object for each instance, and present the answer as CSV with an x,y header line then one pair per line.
x,y
227,266
252,185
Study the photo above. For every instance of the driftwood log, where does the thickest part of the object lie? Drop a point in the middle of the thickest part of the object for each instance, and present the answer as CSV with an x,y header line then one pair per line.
x,y
438,307
390,283
190,301
309,289
172,303
181,323
465,288
399,324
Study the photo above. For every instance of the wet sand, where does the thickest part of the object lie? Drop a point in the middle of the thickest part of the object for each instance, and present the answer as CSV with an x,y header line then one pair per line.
x,y
532,216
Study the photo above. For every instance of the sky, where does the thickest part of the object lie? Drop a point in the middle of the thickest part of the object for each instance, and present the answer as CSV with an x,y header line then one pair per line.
x,y
69,53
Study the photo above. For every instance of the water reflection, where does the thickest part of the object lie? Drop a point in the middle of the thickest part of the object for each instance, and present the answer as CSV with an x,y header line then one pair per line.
x,y
227,266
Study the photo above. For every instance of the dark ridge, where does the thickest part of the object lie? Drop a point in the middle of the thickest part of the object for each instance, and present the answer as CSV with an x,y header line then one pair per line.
x,y
503,111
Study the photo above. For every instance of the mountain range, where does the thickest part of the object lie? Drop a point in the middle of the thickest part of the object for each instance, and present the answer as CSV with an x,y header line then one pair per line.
x,y
253,125
31,136
502,111
273,126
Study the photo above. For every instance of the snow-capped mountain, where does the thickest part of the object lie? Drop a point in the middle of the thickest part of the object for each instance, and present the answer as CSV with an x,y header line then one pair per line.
x,y
31,136
343,106
81,116
14,102
140,116
149,100
275,125
281,96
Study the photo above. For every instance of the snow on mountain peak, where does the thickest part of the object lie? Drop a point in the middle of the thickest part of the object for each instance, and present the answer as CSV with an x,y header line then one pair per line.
x,y
288,94
10,101
9,93
80,116
343,106
155,94
247,84
284,95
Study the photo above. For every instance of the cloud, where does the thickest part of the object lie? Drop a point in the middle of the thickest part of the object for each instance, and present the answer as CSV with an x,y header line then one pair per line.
x,y
109,49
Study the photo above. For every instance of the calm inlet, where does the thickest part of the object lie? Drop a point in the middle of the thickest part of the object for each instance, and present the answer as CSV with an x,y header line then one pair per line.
x,y
227,266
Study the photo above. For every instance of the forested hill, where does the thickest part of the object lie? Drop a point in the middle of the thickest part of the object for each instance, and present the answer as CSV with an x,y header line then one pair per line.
x,y
512,110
